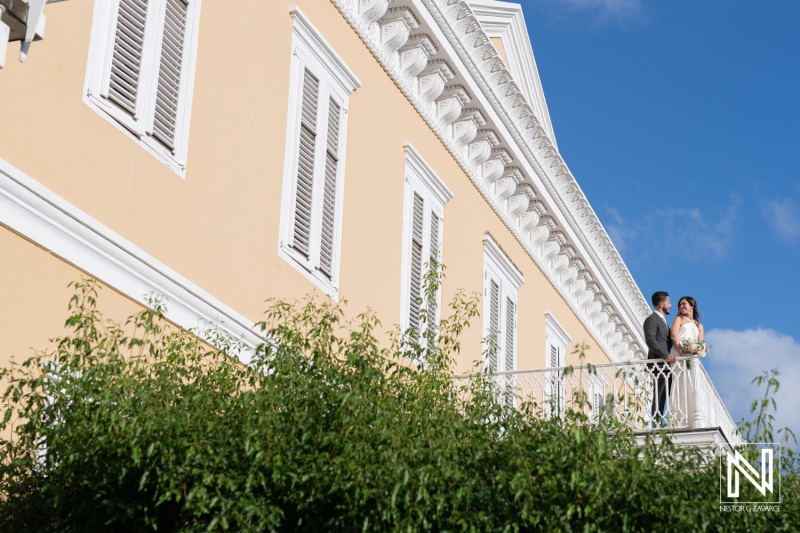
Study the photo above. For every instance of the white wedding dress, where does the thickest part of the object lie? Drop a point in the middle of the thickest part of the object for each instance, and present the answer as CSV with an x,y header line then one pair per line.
x,y
682,396
690,331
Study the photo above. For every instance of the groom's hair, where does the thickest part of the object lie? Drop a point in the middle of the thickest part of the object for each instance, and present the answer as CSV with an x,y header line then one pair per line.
x,y
658,297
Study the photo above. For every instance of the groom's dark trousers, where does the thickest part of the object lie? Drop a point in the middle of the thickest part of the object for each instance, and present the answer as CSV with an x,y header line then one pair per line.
x,y
656,335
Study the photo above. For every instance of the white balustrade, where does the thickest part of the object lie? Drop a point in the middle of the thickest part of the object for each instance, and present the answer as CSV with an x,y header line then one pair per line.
x,y
623,391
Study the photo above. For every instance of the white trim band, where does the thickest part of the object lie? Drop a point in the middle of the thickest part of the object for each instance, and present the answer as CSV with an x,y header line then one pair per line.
x,y
41,216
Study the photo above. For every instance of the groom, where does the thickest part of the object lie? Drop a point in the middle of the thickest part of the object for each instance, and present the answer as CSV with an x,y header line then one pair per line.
x,y
656,335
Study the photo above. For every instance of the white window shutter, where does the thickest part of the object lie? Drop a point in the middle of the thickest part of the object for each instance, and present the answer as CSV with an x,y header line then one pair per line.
x,y
169,72
329,193
434,260
301,234
126,58
425,196
434,237
140,74
556,387
494,323
313,176
511,311
415,285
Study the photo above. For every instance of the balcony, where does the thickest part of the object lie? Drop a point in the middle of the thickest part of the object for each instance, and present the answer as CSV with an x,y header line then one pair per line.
x,y
695,414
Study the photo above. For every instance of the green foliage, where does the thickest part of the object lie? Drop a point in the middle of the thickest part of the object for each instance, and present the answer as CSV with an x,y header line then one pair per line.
x,y
761,428
137,428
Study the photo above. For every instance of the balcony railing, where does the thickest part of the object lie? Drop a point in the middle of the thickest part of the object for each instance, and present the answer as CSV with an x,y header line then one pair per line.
x,y
624,391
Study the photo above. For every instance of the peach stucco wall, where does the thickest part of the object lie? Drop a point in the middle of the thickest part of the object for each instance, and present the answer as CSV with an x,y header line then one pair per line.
x,y
34,298
219,226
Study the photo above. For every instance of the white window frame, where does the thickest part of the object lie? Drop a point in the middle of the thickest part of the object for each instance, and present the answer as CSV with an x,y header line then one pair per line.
x,y
498,267
597,390
98,71
312,53
421,180
555,337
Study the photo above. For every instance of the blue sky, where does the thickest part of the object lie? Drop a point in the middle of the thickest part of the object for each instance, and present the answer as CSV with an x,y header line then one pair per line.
x,y
681,122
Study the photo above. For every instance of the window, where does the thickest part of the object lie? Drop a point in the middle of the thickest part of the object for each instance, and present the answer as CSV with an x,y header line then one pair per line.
x,y
141,71
556,341
501,282
423,214
597,388
319,89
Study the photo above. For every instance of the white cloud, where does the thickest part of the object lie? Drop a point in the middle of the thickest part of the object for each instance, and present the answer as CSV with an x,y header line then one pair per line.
x,y
715,237
665,232
784,218
736,357
605,10
621,233
617,8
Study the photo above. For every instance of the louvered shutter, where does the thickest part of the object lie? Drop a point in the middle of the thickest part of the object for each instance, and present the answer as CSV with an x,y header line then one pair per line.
x,y
434,260
511,310
126,59
301,234
434,238
511,317
556,385
169,72
329,194
415,285
494,323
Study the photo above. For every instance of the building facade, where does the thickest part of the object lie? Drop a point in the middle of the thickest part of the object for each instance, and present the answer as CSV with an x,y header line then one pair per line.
x,y
221,156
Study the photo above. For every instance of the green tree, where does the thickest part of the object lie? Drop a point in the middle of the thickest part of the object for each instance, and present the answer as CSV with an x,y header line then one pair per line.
x,y
138,427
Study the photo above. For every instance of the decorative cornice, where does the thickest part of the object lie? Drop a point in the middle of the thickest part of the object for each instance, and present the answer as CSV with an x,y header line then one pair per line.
x,y
505,21
559,222
541,152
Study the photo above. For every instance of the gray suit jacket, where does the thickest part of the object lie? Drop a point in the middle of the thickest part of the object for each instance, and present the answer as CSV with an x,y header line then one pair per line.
x,y
656,335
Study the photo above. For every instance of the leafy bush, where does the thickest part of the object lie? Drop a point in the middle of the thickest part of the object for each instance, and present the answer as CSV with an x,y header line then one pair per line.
x,y
137,428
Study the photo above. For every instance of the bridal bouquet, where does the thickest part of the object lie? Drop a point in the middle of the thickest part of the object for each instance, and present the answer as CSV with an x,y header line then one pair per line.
x,y
690,347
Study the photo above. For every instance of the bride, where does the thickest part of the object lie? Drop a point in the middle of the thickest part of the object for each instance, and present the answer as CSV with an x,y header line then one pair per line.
x,y
686,326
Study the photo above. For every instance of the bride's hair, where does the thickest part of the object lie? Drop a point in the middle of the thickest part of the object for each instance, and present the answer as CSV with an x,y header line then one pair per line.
x,y
695,311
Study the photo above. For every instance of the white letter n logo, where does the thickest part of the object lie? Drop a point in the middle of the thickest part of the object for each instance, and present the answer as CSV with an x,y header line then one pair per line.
x,y
741,465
